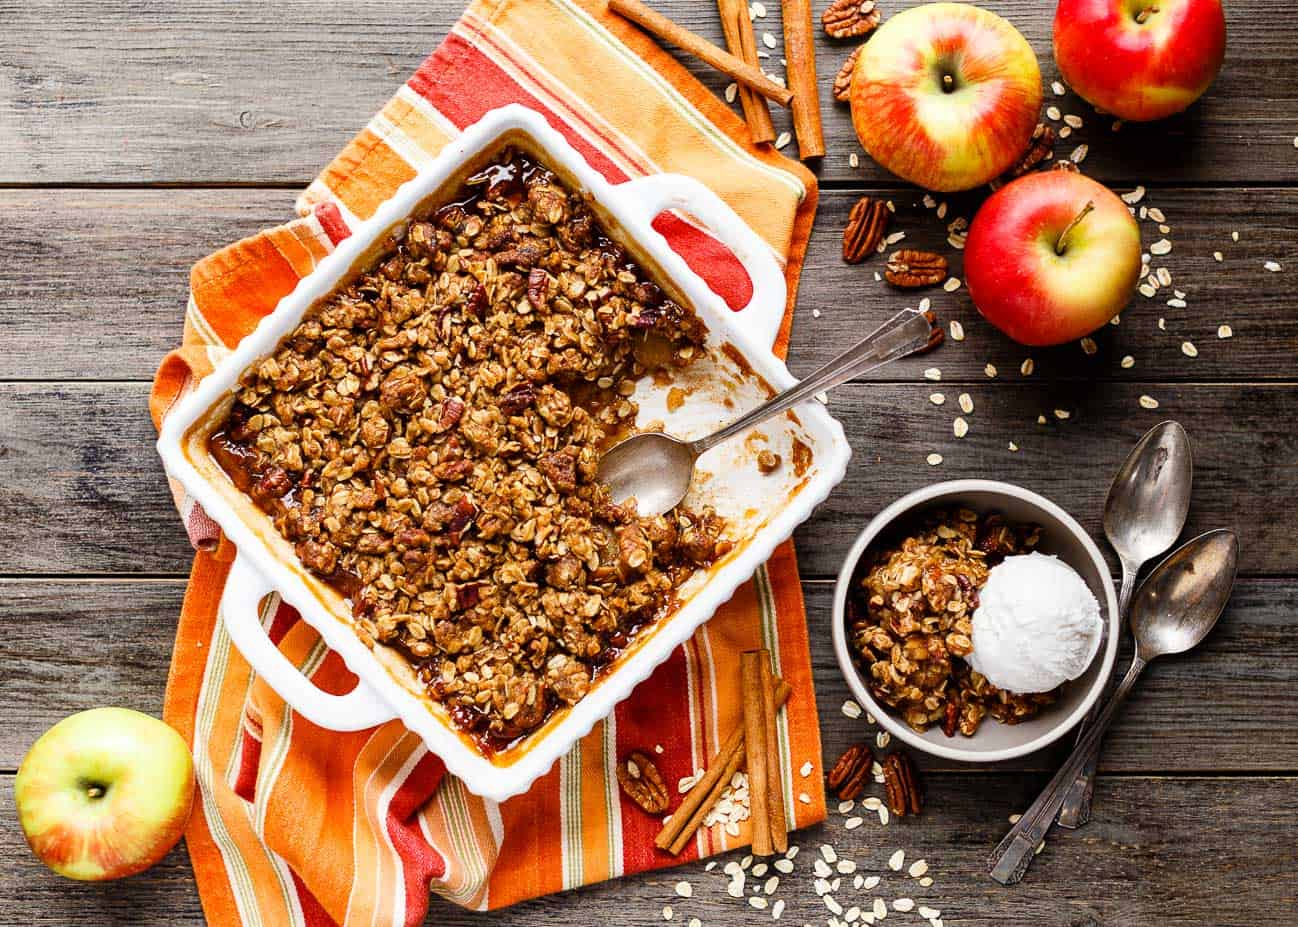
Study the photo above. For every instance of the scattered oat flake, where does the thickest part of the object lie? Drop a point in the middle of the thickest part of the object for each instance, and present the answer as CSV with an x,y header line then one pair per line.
x,y
1079,154
952,284
1148,402
1027,367
759,9
1013,446
1160,247
851,709
936,398
918,868
1218,256
928,913
854,160
667,912
1053,113
960,427
896,860
957,331
1147,290
1015,818
1272,266
845,807
1089,345
695,922
880,908
933,373
757,901
926,882
1065,131
1176,303
783,140
894,238
732,91
1134,197
990,370
768,40
1041,419
853,823
1063,414
882,739
804,798
966,403
1225,331
1162,324
1058,88
1128,362
1188,349
684,889
1074,121
777,909
903,904
934,459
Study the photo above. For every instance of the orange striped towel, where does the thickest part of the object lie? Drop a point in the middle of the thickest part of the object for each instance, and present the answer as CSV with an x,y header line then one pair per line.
x,y
301,826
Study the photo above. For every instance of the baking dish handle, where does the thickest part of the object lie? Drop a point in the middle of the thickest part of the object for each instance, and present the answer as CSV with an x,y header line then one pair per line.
x,y
358,710
659,192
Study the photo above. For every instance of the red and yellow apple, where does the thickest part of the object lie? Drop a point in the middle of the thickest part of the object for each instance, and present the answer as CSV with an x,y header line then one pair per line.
x,y
104,793
1140,59
1051,257
946,95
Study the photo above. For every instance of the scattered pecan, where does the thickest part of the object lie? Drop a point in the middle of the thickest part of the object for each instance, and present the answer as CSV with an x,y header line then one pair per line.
x,y
642,782
843,79
901,781
846,19
866,225
1040,147
850,775
911,269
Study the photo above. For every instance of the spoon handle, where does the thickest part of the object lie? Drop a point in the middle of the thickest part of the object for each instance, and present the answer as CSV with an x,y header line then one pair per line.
x,y
1076,810
1012,856
906,332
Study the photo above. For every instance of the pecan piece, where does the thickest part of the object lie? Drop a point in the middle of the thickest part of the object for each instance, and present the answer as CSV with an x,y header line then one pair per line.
x,y
538,287
866,225
843,79
901,780
911,269
642,782
847,19
1040,147
951,720
850,775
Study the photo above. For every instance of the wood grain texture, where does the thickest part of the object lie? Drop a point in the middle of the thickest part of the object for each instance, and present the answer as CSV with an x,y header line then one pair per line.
x,y
1174,852
55,631
208,90
81,490
117,323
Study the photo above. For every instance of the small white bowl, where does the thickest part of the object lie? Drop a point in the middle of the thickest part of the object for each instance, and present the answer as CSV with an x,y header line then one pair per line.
x,y
1062,536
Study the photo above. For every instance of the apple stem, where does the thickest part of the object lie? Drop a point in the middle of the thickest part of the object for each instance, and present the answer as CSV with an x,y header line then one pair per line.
x,y
1061,244
1143,15
948,82
95,791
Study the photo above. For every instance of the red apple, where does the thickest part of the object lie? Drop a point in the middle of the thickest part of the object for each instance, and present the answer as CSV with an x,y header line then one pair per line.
x,y
1051,257
104,793
946,95
1140,59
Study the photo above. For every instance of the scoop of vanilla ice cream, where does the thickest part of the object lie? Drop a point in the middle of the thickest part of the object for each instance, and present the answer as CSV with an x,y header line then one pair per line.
x,y
1037,625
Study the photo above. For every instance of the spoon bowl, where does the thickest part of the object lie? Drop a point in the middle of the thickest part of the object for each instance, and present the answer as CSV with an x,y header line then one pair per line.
x,y
670,461
1149,498
1183,597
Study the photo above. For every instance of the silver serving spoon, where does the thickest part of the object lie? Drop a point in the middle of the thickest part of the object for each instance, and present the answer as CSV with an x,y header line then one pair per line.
x,y
1174,609
1143,516
655,469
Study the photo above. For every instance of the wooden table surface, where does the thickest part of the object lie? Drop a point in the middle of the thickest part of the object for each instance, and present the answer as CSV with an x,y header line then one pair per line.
x,y
137,137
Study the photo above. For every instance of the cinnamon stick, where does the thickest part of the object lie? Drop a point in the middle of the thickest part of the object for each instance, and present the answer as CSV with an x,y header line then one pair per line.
x,y
736,68
800,52
683,823
756,750
741,41
779,828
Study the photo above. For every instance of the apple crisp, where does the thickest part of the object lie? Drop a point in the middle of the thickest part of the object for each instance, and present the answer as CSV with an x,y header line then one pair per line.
x,y
427,439
911,622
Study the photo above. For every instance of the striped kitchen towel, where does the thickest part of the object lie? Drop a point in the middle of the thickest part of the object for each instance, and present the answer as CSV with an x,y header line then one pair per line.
x,y
301,826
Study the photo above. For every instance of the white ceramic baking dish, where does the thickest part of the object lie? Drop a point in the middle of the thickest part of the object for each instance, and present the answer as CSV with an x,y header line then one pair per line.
x,y
737,372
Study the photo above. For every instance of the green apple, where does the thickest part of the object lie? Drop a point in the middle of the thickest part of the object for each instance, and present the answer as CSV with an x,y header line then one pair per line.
x,y
105,793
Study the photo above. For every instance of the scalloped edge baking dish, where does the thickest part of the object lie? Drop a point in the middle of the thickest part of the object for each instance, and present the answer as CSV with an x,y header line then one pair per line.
x,y
386,689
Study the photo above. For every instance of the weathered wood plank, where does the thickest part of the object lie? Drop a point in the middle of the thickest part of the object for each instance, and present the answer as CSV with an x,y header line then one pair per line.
x,y
210,90
58,322
1178,852
54,631
82,492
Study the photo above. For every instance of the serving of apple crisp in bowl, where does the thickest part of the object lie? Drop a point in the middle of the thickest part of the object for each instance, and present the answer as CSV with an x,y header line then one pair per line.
x,y
406,451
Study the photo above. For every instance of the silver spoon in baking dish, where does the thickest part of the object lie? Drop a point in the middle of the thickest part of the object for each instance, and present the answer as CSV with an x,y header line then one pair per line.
x,y
655,469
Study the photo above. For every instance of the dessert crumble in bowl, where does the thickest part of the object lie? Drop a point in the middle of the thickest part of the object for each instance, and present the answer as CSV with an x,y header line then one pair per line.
x,y
903,619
